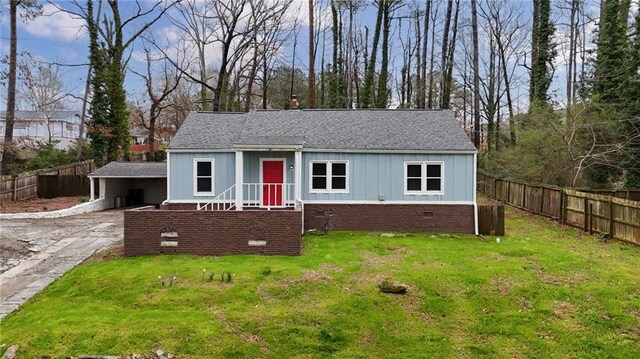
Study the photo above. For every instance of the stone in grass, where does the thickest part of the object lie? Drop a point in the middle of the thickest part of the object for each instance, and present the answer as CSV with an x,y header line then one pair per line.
x,y
11,352
392,286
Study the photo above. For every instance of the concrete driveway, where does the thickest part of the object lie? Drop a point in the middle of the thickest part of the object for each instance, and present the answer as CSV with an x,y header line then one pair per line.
x,y
35,252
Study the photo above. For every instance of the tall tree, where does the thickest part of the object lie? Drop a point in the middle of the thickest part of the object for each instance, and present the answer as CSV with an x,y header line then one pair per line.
x,y
476,75
368,97
311,90
542,53
422,88
32,9
448,69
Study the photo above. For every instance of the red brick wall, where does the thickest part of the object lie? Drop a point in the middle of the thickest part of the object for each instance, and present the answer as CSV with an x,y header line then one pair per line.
x,y
390,217
212,232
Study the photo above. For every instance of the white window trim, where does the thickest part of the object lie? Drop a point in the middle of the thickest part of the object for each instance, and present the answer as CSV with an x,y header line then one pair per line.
x,y
423,178
329,176
195,177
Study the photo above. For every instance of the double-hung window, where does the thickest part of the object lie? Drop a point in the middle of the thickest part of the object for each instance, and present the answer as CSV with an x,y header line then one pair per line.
x,y
203,177
329,176
424,177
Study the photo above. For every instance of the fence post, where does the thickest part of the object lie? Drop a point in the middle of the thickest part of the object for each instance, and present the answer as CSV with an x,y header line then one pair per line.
x,y
542,201
562,204
15,189
586,214
590,218
524,195
611,218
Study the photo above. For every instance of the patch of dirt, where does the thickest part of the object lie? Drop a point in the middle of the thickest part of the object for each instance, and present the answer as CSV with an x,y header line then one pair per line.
x,y
564,310
106,255
568,280
524,305
500,285
396,254
40,205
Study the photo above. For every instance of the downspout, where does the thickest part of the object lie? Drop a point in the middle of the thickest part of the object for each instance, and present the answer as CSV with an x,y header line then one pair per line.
x,y
475,190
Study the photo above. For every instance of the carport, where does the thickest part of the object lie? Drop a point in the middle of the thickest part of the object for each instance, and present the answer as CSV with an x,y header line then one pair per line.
x,y
130,183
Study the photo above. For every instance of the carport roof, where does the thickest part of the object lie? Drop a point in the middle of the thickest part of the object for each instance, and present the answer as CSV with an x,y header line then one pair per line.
x,y
131,170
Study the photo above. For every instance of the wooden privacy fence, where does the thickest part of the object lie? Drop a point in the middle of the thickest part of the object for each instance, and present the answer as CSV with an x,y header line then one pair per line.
x,y
617,217
68,180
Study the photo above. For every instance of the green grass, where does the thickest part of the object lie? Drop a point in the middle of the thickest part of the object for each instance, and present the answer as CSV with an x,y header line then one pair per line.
x,y
544,291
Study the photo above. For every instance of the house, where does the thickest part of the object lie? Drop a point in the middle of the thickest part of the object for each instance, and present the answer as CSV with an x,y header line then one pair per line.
x,y
252,182
30,127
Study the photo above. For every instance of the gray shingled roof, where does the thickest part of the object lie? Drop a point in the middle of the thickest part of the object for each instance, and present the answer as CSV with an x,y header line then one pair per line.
x,y
326,129
37,115
132,170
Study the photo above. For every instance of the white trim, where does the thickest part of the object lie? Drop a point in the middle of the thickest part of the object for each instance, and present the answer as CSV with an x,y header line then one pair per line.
x,y
409,152
475,189
168,177
102,188
199,150
195,177
239,180
297,162
92,190
218,150
423,179
329,175
267,147
469,203
134,177
284,181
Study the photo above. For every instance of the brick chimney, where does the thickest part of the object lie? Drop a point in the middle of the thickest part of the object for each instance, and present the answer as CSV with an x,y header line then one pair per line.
x,y
294,103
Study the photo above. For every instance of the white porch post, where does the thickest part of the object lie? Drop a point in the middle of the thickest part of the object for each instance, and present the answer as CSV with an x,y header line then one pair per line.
x,y
92,189
239,180
103,187
298,174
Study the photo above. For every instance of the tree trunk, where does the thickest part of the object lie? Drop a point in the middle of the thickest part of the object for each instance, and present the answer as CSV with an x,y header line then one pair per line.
x,y
382,97
423,65
7,148
444,52
446,94
311,89
368,97
431,62
476,75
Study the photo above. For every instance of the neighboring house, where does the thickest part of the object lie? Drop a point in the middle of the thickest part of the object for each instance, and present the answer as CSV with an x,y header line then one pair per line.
x,y
29,127
251,182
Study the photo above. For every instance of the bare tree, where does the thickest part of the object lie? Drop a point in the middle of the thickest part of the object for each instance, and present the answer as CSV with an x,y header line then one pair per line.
x,y
157,93
42,90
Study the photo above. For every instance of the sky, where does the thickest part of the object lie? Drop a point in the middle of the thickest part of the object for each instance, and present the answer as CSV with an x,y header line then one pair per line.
x,y
61,38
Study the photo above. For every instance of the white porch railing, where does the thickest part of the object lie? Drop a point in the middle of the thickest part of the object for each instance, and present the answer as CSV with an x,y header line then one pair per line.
x,y
254,195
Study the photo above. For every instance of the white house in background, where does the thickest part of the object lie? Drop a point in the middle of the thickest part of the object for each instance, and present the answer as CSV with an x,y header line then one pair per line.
x,y
32,126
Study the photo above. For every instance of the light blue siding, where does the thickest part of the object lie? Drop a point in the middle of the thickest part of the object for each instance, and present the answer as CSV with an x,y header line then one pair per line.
x,y
371,175
382,174
181,173
252,164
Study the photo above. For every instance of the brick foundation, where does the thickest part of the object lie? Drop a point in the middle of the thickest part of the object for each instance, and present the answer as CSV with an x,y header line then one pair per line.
x,y
390,217
149,231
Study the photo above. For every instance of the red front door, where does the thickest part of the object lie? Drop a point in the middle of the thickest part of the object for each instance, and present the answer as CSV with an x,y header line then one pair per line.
x,y
273,180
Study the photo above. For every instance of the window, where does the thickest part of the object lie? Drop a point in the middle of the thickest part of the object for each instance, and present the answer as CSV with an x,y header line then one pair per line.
x,y
203,182
329,176
424,177
19,125
69,126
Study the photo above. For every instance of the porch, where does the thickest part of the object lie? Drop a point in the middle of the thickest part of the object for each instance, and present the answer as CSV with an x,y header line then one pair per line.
x,y
268,176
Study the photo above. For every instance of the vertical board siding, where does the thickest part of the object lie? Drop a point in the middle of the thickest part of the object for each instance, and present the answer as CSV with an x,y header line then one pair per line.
x,y
181,173
372,175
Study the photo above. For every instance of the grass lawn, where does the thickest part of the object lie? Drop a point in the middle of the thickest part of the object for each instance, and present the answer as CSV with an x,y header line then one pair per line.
x,y
543,291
